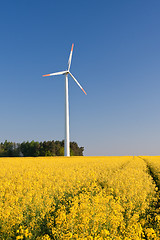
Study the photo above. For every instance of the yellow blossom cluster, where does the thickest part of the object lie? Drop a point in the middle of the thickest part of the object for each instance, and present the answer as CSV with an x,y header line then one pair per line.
x,y
153,164
76,198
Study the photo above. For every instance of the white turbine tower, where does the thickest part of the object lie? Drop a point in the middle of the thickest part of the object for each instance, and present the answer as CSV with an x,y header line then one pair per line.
x,y
66,142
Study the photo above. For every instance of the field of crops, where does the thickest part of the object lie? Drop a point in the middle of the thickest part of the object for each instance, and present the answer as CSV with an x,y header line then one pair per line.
x,y
80,198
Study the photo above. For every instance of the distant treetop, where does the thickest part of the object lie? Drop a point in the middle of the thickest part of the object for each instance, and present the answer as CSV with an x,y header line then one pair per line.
x,y
35,149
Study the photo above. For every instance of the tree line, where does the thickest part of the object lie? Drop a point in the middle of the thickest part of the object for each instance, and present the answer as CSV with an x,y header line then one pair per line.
x,y
35,149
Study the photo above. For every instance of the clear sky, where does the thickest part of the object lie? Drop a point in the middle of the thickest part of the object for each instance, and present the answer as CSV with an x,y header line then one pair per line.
x,y
116,58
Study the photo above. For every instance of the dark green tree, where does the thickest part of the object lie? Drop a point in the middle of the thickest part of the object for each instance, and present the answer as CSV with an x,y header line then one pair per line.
x,y
35,149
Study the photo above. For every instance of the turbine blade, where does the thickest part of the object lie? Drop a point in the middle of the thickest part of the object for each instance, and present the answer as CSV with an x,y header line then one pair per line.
x,y
70,57
56,73
77,82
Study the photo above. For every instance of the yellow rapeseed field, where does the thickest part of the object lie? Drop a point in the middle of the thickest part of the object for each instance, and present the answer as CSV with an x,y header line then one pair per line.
x,y
79,198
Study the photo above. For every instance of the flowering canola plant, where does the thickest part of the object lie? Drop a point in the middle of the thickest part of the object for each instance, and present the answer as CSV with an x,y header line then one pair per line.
x,y
77,198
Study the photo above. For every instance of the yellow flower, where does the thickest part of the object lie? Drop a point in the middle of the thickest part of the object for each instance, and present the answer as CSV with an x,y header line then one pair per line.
x,y
78,198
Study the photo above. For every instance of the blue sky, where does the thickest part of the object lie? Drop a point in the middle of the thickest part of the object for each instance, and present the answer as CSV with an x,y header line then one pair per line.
x,y
116,59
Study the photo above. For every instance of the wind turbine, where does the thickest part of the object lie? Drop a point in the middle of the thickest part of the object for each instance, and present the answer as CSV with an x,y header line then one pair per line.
x,y
66,142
